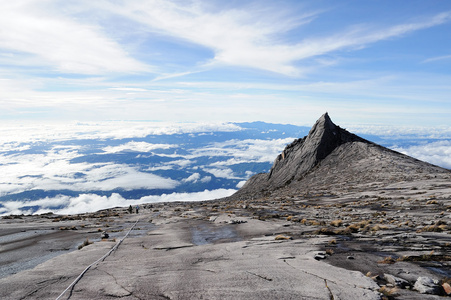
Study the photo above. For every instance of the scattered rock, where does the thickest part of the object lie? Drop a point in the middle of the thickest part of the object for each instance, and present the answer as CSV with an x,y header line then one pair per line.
x,y
426,285
104,235
350,257
287,257
234,221
446,288
396,281
320,255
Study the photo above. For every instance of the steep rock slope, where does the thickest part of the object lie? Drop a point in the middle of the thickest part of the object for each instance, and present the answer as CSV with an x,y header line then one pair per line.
x,y
331,157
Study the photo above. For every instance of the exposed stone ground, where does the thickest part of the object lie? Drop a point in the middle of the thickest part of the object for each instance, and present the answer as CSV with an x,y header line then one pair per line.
x,y
332,244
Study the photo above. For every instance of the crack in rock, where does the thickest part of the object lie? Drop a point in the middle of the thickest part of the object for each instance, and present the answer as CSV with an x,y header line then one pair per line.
x,y
331,296
352,285
309,273
262,277
116,293
172,248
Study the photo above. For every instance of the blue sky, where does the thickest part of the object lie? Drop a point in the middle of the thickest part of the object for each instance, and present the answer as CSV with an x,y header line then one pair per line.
x,y
365,62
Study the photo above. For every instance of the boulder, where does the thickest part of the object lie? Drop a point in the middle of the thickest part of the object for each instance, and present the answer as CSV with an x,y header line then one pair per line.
x,y
320,255
426,285
396,281
446,288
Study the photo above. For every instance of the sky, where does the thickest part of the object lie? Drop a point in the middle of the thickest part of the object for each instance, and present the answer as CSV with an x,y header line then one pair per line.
x,y
364,62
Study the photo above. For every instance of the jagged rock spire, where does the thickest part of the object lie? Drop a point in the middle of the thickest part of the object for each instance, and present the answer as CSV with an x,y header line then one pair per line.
x,y
331,156
301,156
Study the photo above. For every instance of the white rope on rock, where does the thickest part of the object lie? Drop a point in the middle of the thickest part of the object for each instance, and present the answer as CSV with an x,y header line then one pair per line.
x,y
96,262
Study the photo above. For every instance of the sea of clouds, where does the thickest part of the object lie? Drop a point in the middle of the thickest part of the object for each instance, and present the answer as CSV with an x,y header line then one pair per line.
x,y
91,158
80,167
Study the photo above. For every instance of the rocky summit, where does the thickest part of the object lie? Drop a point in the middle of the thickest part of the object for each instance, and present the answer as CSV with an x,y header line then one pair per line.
x,y
332,159
337,217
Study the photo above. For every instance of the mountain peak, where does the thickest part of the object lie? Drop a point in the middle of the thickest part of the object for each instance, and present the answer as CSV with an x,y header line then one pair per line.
x,y
329,151
325,120
302,155
325,136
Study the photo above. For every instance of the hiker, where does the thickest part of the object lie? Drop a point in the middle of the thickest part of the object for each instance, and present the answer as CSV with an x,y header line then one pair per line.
x,y
137,208
130,209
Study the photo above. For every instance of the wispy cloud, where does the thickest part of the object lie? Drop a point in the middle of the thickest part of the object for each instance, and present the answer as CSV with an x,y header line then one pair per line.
x,y
37,33
437,58
252,37
124,58
80,38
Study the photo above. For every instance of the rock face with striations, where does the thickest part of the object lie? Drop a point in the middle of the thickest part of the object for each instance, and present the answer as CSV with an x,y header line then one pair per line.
x,y
330,155
304,154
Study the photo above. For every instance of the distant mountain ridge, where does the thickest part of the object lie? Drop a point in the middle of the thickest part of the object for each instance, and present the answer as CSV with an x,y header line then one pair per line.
x,y
329,156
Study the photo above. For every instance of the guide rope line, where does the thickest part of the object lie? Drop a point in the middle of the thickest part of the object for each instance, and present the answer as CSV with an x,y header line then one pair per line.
x,y
96,262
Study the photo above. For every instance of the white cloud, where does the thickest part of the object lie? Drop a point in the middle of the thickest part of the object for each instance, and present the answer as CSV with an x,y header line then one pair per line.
x,y
13,146
83,37
39,29
237,36
251,37
437,153
129,89
53,171
361,36
249,173
182,162
28,132
137,147
192,178
402,132
196,177
437,58
206,179
124,177
92,202
221,172
240,184
158,168
243,151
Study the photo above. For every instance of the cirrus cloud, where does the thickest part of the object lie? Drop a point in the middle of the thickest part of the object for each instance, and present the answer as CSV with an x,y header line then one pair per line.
x,y
36,33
